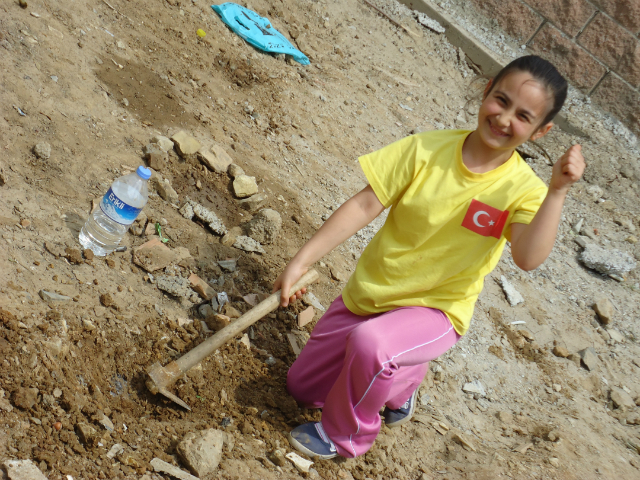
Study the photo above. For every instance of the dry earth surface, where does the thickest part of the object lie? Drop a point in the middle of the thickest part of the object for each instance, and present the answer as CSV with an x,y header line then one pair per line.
x,y
97,81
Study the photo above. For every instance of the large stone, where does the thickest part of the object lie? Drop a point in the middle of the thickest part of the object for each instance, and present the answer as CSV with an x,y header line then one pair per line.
x,y
253,203
247,244
513,296
620,51
615,335
155,255
235,170
22,470
164,189
265,226
201,287
245,186
178,286
53,297
475,388
42,150
208,217
162,142
604,309
569,15
621,399
215,158
608,262
185,144
561,352
589,358
571,60
201,451
87,434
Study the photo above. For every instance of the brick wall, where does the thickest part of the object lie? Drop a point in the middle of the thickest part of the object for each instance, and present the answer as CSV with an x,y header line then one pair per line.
x,y
594,43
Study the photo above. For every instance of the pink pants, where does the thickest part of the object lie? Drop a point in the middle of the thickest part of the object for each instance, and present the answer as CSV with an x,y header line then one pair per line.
x,y
354,365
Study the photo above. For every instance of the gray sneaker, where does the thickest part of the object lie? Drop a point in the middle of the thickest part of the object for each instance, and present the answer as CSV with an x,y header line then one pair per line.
x,y
400,416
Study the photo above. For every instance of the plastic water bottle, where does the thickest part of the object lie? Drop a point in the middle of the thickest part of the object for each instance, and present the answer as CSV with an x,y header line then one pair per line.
x,y
119,208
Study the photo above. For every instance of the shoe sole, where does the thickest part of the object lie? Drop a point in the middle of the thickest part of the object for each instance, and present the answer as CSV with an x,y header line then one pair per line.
x,y
309,453
408,418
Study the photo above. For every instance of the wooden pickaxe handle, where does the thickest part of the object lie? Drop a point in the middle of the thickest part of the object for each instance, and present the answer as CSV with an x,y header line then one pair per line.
x,y
159,381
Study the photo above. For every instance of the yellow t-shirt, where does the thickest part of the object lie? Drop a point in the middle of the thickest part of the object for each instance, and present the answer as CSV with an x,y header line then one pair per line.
x,y
446,228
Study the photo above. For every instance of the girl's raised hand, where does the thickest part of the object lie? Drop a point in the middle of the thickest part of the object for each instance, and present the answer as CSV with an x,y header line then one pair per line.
x,y
567,170
285,281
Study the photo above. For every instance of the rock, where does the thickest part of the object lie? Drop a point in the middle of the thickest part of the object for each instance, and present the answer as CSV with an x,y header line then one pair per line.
x,y
105,421
164,189
462,440
201,287
215,159
338,274
187,211
217,321
162,142
228,265
208,217
575,358
306,316
4,403
245,186
554,462
42,150
615,335
25,398
608,262
185,144
230,312
247,244
589,358
235,170
513,296
474,387
22,469
178,286
164,467
553,436
157,160
310,299
53,297
88,254
155,255
277,458
505,417
300,463
581,241
604,309
253,203
87,434
621,399
206,310
595,192
107,300
265,226
560,352
115,450
201,451
137,227
74,255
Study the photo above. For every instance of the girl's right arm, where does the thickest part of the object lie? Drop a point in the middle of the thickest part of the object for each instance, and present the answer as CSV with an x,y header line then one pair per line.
x,y
354,214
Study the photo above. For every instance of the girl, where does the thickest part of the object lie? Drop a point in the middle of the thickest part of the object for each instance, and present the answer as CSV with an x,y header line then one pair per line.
x,y
456,198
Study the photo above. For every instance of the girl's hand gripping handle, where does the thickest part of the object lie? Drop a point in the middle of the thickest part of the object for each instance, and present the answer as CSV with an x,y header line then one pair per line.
x,y
287,278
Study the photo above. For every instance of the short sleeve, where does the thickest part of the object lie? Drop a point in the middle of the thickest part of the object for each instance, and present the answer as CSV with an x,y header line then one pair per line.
x,y
528,207
391,169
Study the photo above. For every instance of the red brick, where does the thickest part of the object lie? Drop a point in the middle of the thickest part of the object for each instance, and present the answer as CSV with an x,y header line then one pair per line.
x,y
620,99
513,16
627,12
614,46
573,61
568,15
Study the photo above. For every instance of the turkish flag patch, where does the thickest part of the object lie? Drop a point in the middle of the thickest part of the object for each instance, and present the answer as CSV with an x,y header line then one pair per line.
x,y
484,219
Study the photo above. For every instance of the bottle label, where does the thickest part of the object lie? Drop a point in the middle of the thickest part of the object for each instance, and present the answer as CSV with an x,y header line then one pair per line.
x,y
117,210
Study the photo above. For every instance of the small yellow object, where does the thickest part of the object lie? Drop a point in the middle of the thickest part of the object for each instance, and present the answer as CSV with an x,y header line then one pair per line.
x,y
201,33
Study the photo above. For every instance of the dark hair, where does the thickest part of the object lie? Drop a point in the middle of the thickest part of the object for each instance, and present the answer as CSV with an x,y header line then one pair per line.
x,y
544,72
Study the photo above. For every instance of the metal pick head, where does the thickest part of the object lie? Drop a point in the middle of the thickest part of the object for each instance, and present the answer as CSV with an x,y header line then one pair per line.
x,y
173,397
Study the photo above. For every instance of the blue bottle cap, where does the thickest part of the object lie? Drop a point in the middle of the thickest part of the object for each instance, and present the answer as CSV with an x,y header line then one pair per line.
x,y
143,172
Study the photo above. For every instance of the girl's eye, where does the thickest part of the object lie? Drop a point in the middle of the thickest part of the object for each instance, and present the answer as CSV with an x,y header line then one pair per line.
x,y
524,117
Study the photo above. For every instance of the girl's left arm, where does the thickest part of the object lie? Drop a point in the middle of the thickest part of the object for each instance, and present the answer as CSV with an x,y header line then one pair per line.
x,y
531,244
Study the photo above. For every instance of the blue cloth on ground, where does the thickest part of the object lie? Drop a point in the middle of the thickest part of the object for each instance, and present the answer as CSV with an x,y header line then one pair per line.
x,y
257,31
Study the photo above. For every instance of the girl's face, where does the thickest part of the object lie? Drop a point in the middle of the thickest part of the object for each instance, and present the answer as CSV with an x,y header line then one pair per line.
x,y
512,111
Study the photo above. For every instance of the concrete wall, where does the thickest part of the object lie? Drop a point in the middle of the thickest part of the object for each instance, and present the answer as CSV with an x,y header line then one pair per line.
x,y
594,43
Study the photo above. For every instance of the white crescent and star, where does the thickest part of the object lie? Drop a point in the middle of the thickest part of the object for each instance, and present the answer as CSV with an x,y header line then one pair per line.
x,y
477,215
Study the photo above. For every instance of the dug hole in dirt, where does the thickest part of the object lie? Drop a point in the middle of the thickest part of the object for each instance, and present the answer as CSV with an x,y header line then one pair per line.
x,y
543,388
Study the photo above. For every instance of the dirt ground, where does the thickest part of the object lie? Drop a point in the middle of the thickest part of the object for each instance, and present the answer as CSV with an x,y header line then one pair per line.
x,y
98,80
